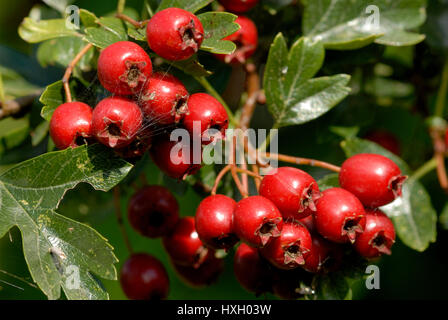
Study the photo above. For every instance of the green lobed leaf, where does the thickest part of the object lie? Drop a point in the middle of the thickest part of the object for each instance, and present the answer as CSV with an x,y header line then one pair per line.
x,y
347,24
413,215
109,31
332,286
88,19
292,96
191,66
329,181
189,5
218,25
59,5
54,244
62,51
37,31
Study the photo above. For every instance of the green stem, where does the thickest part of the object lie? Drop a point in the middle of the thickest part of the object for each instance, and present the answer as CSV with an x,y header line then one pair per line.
x,y
441,95
268,139
424,169
207,86
121,5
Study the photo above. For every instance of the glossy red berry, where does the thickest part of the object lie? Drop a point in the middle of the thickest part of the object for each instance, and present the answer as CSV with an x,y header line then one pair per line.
x,y
385,139
124,67
340,216
175,34
164,99
251,270
214,222
183,244
153,211
318,255
143,277
292,190
207,273
205,112
309,223
71,124
372,178
256,220
238,6
175,160
116,121
245,39
290,250
378,236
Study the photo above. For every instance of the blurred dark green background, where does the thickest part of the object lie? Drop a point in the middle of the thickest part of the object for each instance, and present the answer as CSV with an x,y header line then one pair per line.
x,y
404,275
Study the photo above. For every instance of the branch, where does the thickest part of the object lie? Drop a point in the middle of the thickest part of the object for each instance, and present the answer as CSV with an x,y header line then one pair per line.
x,y
137,24
120,222
439,156
304,161
69,70
15,106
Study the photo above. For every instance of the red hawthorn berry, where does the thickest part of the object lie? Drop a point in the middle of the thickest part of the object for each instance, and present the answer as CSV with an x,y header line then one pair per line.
x,y
176,165
175,34
319,254
116,121
385,139
206,113
124,67
292,190
378,236
164,99
143,277
291,249
340,216
245,39
372,178
251,270
207,273
183,244
71,124
256,220
214,222
308,222
153,211
238,6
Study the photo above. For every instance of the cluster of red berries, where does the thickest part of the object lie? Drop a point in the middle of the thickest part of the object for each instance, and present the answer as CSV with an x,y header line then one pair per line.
x,y
144,102
154,213
289,227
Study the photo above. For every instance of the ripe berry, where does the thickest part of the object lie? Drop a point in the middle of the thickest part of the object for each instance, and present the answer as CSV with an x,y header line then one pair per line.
x,y
256,220
340,216
318,255
124,67
71,124
143,277
372,178
293,191
251,270
308,222
153,211
183,244
291,249
177,165
175,34
238,6
116,121
378,236
207,273
164,99
214,222
385,139
205,112
245,39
